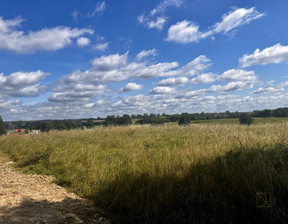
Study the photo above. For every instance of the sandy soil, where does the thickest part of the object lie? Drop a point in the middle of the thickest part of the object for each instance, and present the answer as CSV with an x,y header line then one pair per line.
x,y
26,199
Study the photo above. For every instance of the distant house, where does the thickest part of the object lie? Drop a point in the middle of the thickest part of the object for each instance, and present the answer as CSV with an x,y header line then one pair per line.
x,y
19,130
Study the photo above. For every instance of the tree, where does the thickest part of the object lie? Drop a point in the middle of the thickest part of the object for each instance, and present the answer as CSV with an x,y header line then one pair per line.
x,y
184,119
2,127
245,118
110,120
45,126
90,123
124,120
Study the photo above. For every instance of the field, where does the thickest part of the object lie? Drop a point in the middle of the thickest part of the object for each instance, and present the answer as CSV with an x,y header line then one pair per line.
x,y
208,172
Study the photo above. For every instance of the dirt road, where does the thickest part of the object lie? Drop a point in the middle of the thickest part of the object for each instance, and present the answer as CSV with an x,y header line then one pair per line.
x,y
26,199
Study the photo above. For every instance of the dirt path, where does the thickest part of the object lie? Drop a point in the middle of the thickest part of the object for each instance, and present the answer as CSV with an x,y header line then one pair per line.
x,y
26,199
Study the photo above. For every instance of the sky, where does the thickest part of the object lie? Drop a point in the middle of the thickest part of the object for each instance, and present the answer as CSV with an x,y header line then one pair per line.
x,y
91,58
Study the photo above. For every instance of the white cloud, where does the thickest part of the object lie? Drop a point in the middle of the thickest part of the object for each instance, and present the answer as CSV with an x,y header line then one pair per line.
x,y
101,46
144,54
238,75
47,39
196,66
231,86
204,78
99,9
184,32
106,63
236,18
187,32
155,70
270,55
173,81
158,23
283,85
131,87
264,90
22,84
78,92
192,94
156,18
163,90
162,7
83,41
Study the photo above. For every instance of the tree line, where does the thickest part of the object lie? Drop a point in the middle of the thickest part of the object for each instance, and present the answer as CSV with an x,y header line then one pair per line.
x,y
154,119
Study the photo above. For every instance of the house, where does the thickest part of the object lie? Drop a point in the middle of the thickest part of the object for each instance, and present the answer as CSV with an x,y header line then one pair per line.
x,y
19,130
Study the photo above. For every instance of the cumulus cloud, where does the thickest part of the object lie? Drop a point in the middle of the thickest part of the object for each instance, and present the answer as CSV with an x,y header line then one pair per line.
x,y
231,86
238,75
263,90
156,19
99,10
131,87
196,66
110,62
47,39
184,32
158,23
22,84
144,54
83,41
78,92
204,78
82,85
173,81
270,55
163,90
101,46
187,32
192,94
155,70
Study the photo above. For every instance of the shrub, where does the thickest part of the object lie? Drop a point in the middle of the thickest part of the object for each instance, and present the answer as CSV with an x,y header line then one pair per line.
x,y
245,119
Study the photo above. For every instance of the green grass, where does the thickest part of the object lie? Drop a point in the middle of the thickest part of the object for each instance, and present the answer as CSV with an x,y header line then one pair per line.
x,y
236,121
203,173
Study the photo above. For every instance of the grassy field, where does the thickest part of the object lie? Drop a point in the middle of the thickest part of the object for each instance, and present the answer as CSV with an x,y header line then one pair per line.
x,y
215,172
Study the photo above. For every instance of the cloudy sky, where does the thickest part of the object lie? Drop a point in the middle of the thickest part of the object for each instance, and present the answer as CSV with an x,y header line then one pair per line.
x,y
90,58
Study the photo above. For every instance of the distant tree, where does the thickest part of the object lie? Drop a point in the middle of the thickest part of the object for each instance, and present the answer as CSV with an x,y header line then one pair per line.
x,y
2,127
45,126
60,126
184,119
90,123
124,120
110,120
245,118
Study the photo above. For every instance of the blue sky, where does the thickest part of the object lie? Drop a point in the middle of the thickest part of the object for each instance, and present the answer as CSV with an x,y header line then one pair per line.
x,y
89,58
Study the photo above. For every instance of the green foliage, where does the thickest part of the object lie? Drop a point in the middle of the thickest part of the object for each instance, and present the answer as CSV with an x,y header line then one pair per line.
x,y
124,120
184,119
2,127
245,118
153,120
112,120
90,123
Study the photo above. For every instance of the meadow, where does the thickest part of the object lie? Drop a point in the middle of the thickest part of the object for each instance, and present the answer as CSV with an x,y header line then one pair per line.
x,y
208,172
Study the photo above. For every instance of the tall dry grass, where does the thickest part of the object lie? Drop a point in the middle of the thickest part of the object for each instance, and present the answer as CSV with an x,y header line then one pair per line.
x,y
167,174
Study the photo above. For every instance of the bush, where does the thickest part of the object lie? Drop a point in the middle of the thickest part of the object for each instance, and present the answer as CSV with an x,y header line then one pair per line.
x,y
245,119
184,119
2,127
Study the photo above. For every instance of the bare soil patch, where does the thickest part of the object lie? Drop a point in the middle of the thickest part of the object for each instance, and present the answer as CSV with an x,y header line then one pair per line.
x,y
26,199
